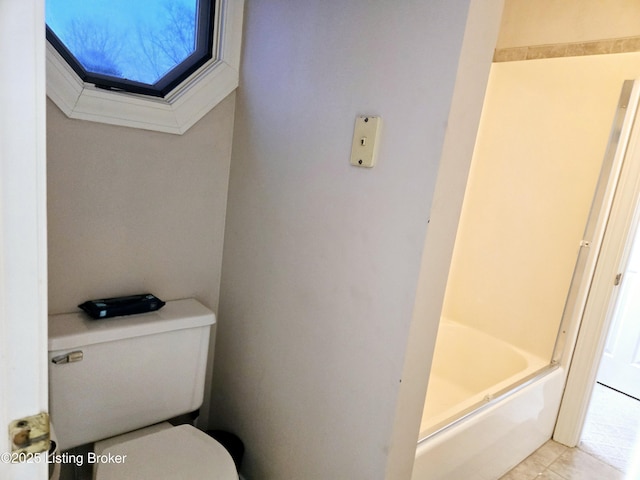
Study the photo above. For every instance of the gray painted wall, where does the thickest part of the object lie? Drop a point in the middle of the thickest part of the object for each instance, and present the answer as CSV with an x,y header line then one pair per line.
x,y
321,259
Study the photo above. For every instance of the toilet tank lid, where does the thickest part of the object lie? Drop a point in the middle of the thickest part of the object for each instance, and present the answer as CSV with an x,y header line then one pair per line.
x,y
72,330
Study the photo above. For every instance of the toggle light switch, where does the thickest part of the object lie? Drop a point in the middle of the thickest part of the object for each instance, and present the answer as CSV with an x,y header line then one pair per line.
x,y
364,147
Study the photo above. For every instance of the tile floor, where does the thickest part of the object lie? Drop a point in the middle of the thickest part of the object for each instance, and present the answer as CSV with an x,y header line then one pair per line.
x,y
607,451
554,461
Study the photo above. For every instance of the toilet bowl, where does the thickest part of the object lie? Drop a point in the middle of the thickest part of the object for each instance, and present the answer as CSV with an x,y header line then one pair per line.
x,y
115,382
163,453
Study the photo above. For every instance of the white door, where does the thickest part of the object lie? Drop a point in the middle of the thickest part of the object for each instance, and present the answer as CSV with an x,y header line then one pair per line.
x,y
620,367
23,262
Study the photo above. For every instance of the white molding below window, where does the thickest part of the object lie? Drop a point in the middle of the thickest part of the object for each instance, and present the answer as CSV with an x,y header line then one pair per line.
x,y
175,113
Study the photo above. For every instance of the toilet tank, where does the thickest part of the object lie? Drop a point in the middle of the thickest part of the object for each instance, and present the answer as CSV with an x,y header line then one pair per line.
x,y
129,372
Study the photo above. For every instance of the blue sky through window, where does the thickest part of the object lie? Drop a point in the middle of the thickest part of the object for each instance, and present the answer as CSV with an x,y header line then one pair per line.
x,y
139,40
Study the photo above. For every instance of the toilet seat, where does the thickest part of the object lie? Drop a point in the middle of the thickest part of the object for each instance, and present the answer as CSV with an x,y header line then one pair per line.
x,y
173,453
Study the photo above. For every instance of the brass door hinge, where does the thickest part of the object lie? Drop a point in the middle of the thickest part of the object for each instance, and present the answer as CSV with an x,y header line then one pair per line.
x,y
29,434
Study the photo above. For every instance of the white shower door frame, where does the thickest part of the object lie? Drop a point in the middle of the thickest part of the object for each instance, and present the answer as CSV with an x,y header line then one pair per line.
x,y
618,216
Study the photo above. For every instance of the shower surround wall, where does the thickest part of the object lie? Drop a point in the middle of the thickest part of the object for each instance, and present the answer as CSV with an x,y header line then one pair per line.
x,y
528,195
561,108
530,187
491,442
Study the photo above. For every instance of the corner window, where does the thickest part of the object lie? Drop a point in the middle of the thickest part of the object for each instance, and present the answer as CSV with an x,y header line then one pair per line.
x,y
146,47
152,64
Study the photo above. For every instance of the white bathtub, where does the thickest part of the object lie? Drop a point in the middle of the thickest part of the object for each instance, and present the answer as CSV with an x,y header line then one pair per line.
x,y
475,425
470,367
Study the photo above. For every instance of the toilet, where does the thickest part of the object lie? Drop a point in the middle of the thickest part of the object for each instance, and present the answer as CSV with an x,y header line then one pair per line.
x,y
115,382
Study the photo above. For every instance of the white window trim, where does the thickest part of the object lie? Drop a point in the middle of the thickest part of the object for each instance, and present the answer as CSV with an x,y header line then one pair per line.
x,y
175,113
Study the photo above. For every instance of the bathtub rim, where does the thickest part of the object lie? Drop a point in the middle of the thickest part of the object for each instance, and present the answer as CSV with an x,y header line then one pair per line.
x,y
487,402
489,444
477,398
478,342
